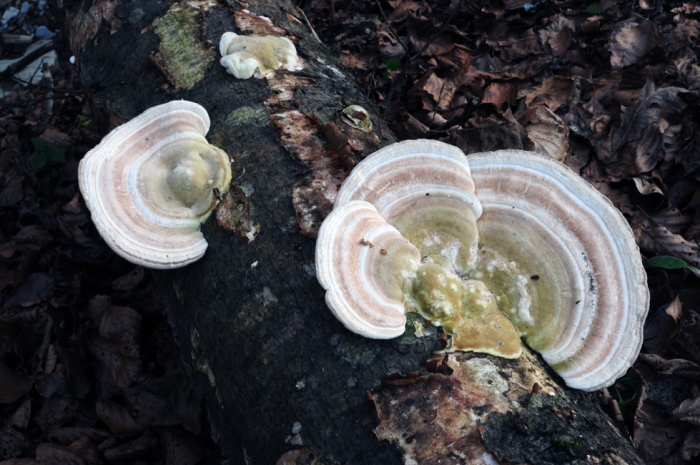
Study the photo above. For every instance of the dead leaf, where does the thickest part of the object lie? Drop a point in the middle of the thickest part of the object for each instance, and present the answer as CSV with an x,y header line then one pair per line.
x,y
24,461
691,444
388,46
313,196
20,417
182,447
118,359
362,60
653,105
683,35
689,337
37,286
558,35
441,45
632,41
81,452
132,449
647,150
554,92
84,24
117,418
56,412
28,238
303,456
689,411
646,185
519,46
130,280
71,434
672,219
499,93
78,383
486,134
675,308
546,131
57,138
661,327
12,443
655,434
657,240
150,408
677,367
692,77
111,320
11,190
432,85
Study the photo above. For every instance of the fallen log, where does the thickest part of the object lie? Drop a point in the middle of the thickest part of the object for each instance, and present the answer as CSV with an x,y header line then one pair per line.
x,y
284,381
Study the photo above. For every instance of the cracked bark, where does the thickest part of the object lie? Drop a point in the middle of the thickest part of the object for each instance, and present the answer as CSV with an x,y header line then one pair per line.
x,y
250,317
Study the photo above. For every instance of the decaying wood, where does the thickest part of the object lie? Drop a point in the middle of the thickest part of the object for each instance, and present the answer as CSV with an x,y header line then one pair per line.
x,y
285,381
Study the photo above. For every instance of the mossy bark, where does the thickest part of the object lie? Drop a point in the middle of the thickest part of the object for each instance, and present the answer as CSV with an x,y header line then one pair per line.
x,y
277,368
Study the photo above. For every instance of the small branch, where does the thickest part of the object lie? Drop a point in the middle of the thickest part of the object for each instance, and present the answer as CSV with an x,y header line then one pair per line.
x,y
309,23
49,88
25,60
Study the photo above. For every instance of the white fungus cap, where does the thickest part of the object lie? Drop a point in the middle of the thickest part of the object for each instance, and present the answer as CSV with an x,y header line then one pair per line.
x,y
243,55
150,184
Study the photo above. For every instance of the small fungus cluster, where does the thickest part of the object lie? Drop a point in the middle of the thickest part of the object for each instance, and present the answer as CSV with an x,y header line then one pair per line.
x,y
549,259
242,56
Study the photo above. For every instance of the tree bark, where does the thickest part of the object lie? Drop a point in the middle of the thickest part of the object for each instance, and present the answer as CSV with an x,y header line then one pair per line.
x,y
284,380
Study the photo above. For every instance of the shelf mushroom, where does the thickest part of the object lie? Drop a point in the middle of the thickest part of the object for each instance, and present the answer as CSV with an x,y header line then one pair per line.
x,y
421,188
587,307
373,275
150,183
549,259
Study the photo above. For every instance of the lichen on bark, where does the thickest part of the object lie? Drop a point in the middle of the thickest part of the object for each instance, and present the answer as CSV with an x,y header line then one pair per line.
x,y
184,57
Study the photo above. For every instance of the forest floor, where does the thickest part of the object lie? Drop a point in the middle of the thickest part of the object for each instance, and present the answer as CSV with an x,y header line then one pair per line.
x,y
611,88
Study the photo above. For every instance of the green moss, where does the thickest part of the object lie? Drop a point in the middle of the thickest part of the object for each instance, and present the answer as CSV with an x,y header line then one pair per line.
x,y
257,116
184,57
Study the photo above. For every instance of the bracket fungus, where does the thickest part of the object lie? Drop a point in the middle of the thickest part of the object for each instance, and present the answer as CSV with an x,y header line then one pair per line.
x,y
549,259
150,183
243,55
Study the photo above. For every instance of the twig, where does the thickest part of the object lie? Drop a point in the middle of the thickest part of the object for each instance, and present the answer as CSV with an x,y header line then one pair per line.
x,y
388,26
48,78
309,24
25,60
49,88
